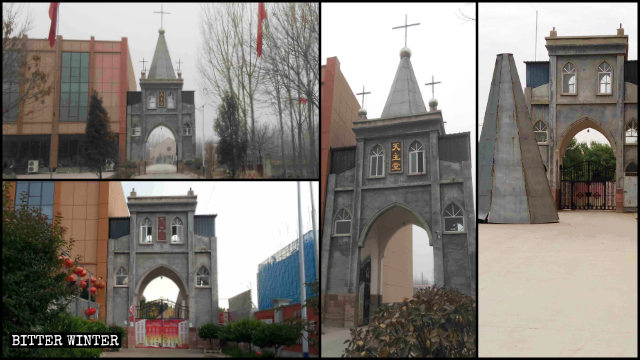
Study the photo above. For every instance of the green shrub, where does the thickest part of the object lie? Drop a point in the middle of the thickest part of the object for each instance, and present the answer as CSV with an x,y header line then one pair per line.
x,y
434,323
276,335
130,164
65,322
188,162
197,163
122,331
240,331
209,331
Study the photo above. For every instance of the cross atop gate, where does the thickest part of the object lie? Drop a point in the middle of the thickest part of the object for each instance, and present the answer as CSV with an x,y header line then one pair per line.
x,y
161,12
363,94
405,26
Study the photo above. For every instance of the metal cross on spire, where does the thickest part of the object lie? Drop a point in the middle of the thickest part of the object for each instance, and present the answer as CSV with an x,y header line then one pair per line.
x,y
433,84
161,12
405,26
179,62
363,94
143,67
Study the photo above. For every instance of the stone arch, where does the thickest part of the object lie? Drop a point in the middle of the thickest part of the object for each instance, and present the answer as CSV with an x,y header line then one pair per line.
x,y
174,133
161,270
419,221
579,125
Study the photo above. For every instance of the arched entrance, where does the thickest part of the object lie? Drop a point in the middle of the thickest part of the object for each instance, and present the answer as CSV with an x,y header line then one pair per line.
x,y
386,258
160,150
586,182
162,322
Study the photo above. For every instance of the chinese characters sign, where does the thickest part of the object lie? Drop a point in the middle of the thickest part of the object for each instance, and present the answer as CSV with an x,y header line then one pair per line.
x,y
162,227
161,98
396,157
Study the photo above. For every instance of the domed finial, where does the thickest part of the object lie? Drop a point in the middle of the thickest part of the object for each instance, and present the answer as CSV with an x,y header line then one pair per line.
x,y
433,104
362,114
161,31
405,52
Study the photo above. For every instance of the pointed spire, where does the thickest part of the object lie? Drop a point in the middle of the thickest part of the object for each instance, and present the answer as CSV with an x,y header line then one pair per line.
x,y
512,185
161,65
405,97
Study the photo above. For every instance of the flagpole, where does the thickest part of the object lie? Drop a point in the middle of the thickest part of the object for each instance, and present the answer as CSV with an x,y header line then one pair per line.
x,y
303,292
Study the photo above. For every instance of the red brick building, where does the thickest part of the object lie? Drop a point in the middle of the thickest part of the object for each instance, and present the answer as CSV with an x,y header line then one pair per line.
x,y
291,312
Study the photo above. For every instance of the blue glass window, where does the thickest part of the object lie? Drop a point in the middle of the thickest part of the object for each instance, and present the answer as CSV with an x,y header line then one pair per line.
x,y
37,194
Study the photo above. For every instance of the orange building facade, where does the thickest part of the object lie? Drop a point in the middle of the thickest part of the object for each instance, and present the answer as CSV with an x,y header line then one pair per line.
x,y
85,208
339,110
51,131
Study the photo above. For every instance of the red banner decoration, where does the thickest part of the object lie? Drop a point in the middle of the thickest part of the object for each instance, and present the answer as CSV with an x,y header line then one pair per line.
x,y
131,316
262,14
53,15
162,228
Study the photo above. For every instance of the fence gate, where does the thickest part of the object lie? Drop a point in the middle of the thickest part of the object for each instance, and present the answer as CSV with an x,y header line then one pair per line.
x,y
588,186
162,324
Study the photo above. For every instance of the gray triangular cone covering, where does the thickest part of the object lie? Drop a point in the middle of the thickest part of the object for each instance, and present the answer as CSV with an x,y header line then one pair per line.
x,y
512,185
405,97
161,66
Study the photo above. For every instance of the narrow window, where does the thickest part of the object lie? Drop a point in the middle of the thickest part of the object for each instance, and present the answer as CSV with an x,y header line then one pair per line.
x,y
631,132
146,232
343,223
176,230
151,99
604,78
540,129
202,277
171,100
135,125
453,218
569,79
186,125
416,158
376,165
122,278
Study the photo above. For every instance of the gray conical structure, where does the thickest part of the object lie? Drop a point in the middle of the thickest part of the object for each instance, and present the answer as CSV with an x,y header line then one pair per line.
x,y
405,97
512,185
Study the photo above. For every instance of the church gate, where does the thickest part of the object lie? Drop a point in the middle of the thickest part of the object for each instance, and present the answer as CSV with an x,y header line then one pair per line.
x,y
162,237
588,186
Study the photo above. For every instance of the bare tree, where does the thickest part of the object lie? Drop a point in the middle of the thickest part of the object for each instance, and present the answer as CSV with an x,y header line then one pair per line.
x,y
23,81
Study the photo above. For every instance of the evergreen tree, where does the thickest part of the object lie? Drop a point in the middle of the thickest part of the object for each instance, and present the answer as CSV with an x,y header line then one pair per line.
x,y
233,133
99,145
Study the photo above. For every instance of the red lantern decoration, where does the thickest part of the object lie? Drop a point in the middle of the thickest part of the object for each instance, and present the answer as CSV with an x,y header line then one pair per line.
x,y
78,271
84,273
90,311
100,284
68,263
93,289
83,284
93,279
72,278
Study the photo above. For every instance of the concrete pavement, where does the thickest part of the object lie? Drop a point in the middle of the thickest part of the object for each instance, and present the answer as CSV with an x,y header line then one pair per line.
x,y
560,289
332,341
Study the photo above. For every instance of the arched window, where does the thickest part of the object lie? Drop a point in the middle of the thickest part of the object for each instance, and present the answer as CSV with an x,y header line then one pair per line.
x,y
416,158
146,232
453,218
631,169
151,101
631,132
376,165
186,129
604,78
176,230
202,277
342,223
122,277
540,129
569,79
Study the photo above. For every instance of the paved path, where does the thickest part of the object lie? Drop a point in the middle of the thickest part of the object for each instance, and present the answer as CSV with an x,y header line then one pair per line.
x,y
564,289
164,171
332,341
159,353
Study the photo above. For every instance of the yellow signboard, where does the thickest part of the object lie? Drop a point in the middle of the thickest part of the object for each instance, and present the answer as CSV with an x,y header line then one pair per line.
x,y
396,157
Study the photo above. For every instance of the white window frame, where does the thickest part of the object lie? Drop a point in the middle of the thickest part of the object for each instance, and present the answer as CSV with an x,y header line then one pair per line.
x,y
149,101
632,126
208,275
446,214
186,129
412,152
145,227
537,130
172,93
177,223
119,275
343,215
601,70
373,154
573,72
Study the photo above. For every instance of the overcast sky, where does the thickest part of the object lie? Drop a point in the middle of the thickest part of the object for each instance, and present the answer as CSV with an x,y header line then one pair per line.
x,y
443,45
510,28
254,221
139,23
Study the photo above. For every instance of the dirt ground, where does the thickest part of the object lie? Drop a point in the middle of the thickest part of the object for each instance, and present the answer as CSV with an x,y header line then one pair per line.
x,y
563,289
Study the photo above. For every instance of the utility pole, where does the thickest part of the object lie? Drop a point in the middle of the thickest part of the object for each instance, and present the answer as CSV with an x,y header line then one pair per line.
x,y
303,294
316,255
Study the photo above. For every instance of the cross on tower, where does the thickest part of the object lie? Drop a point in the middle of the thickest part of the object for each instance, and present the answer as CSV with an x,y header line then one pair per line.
x,y
433,84
363,94
179,62
161,12
143,67
405,26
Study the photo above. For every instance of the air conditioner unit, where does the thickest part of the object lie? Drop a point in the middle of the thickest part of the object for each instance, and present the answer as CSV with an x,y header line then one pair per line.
x,y
110,165
33,166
